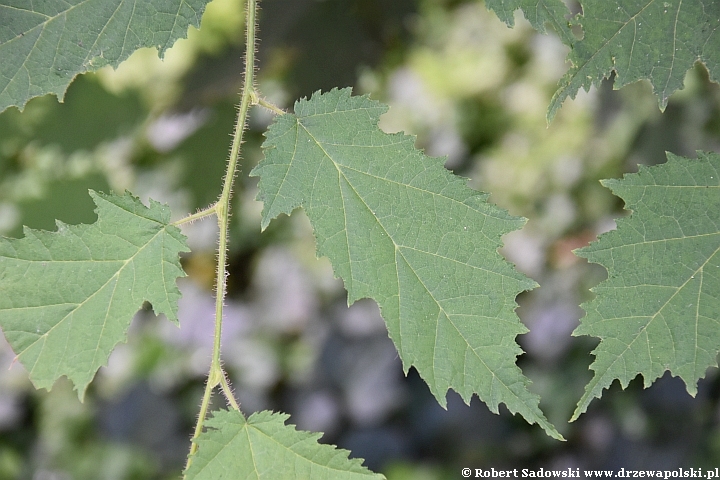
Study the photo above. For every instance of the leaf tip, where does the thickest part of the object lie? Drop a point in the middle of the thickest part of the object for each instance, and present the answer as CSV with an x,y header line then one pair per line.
x,y
81,390
555,103
583,404
691,387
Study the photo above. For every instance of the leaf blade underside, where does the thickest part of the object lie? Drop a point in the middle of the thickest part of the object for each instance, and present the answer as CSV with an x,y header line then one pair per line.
x,y
263,447
399,228
657,40
67,297
539,13
659,309
44,45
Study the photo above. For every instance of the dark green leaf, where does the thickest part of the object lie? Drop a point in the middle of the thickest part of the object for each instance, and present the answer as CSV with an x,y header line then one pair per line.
x,y
660,307
538,12
264,448
658,40
67,297
44,45
402,230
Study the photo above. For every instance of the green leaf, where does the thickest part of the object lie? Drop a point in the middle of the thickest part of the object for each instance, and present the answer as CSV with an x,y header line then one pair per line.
x,y
538,13
399,228
658,40
263,447
660,306
44,45
67,297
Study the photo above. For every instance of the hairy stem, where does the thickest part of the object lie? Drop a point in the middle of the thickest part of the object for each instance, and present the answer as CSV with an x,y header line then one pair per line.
x,y
198,426
248,97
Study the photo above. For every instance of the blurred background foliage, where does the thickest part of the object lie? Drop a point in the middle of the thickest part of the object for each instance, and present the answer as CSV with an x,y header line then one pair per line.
x,y
468,88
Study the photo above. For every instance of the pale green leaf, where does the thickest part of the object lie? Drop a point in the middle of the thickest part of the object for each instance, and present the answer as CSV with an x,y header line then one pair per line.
x,y
67,297
399,228
658,40
263,447
659,309
44,45
538,12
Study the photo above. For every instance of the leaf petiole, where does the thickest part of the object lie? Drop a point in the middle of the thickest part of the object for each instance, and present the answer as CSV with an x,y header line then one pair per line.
x,y
270,106
206,212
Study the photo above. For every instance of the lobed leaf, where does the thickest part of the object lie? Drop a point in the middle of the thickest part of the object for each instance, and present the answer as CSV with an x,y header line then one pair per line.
x,y
658,40
263,447
67,297
399,228
659,309
44,45
538,12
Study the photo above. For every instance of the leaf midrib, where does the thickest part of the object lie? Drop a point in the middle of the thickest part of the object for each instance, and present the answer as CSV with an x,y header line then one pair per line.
x,y
598,51
643,330
116,275
50,18
650,242
439,305
248,426
389,180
